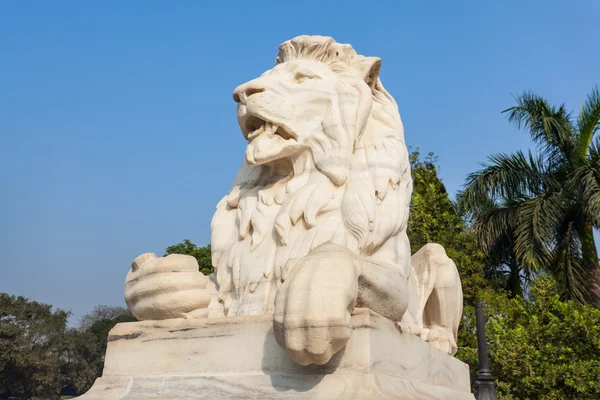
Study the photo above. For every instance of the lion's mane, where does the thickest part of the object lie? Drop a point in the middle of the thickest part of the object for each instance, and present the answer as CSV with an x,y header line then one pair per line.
x,y
352,188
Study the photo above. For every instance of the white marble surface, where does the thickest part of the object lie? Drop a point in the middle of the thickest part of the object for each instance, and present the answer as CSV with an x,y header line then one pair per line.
x,y
165,287
238,358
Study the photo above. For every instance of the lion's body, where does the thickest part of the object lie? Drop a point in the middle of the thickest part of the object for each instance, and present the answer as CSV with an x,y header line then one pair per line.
x,y
250,260
366,213
344,180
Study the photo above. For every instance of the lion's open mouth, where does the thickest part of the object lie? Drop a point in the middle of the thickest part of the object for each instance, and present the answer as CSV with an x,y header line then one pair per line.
x,y
267,141
255,126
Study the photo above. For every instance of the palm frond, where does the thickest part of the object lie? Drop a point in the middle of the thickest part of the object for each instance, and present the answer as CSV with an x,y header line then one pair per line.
x,y
534,234
509,177
549,127
494,228
501,251
567,266
587,179
468,210
588,122
593,157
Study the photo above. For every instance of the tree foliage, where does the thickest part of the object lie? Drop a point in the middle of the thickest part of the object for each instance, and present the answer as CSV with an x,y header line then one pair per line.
x,y
202,254
82,362
40,357
541,210
542,349
30,335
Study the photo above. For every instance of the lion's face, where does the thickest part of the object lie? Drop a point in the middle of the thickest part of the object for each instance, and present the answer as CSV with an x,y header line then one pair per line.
x,y
296,106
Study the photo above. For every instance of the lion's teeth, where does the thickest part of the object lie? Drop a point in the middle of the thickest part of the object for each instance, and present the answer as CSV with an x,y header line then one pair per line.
x,y
270,128
256,132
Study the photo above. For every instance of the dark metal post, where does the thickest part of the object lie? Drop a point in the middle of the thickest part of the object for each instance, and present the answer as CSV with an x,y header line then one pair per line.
x,y
486,389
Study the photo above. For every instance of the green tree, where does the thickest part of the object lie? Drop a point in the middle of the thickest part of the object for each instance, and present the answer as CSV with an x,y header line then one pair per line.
x,y
202,254
33,349
546,206
41,358
542,349
31,337
433,219
80,368
502,268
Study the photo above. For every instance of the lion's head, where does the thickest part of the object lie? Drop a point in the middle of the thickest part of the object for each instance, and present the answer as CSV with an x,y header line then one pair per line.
x,y
317,98
325,162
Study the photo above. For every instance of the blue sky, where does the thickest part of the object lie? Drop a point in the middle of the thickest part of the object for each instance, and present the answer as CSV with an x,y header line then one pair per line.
x,y
118,132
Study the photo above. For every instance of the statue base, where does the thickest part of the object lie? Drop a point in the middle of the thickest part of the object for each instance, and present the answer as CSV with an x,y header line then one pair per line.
x,y
238,358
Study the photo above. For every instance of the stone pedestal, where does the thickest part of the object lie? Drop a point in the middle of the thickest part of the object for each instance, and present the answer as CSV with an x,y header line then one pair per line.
x,y
238,358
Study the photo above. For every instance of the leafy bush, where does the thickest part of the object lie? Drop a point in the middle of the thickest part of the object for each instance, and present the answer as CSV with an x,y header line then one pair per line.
x,y
39,355
542,349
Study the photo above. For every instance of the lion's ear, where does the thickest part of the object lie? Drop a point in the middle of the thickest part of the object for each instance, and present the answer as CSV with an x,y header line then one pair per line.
x,y
369,69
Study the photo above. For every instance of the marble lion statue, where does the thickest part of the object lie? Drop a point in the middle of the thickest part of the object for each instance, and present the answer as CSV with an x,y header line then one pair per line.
x,y
315,222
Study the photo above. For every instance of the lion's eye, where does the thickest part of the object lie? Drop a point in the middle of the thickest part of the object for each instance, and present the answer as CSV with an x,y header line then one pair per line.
x,y
303,77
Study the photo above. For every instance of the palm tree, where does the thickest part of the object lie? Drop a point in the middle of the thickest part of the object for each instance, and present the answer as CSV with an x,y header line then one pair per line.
x,y
542,209
502,268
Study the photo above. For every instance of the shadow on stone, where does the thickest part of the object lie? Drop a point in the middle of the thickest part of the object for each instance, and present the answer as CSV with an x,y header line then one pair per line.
x,y
304,378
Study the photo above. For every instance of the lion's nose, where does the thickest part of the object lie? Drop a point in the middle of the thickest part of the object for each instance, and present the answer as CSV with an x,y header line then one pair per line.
x,y
242,92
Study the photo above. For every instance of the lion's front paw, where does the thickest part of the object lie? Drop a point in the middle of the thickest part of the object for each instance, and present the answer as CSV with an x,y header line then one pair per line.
x,y
313,341
312,308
